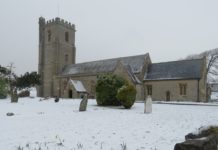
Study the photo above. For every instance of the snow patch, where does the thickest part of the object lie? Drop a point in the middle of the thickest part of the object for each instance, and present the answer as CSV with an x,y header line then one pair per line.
x,y
78,85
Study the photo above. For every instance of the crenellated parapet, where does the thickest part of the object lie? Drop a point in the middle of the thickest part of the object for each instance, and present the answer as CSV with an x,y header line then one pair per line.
x,y
56,21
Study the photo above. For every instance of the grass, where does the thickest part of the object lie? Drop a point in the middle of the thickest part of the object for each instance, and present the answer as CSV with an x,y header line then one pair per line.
x,y
48,146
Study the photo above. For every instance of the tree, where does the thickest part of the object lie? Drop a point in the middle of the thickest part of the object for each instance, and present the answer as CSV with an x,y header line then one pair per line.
x,y
4,81
4,71
106,89
3,88
212,63
28,80
127,95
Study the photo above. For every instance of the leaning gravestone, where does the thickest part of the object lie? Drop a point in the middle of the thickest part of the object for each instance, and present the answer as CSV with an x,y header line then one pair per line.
x,y
14,96
148,105
83,103
56,99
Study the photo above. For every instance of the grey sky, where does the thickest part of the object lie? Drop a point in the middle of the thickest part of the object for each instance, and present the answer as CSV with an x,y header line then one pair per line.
x,y
167,29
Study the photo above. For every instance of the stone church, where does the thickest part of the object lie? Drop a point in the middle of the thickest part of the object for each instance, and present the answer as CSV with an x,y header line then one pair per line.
x,y
61,76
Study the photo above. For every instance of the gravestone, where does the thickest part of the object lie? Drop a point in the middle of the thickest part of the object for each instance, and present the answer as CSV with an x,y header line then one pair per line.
x,y
148,105
83,103
14,96
56,99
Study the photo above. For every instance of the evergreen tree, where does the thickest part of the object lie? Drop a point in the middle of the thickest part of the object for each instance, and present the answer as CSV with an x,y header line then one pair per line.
x,y
28,80
3,88
106,89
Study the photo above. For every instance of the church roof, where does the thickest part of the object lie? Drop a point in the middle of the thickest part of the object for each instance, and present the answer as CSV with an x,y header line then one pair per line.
x,y
184,69
134,78
105,66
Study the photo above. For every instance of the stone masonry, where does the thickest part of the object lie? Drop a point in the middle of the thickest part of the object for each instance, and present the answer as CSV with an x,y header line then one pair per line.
x,y
56,49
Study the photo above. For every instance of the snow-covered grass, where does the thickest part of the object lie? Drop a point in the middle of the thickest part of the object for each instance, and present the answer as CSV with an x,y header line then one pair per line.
x,y
54,126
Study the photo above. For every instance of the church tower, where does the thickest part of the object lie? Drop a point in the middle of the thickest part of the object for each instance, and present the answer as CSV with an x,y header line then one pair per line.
x,y
56,49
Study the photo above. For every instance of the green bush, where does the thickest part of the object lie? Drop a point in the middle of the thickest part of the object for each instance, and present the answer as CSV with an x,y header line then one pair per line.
x,y
127,95
3,88
106,89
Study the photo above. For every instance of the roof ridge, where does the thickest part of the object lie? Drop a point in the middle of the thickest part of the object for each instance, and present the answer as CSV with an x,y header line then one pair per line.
x,y
117,58
178,61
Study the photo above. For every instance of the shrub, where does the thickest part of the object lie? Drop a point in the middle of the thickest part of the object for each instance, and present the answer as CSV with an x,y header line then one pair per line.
x,y
3,88
106,89
24,93
126,95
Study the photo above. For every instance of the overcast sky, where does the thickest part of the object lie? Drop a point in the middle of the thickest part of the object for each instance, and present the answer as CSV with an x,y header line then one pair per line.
x,y
166,29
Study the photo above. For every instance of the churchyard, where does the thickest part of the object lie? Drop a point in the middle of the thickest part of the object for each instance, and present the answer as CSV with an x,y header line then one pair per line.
x,y
46,125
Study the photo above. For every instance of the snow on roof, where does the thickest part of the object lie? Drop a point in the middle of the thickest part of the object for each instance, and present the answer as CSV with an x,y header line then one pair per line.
x,y
106,65
78,85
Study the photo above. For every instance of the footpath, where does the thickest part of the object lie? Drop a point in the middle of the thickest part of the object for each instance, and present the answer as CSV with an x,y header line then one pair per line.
x,y
183,103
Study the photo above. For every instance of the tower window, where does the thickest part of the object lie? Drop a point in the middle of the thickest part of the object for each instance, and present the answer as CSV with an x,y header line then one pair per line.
x,y
49,35
66,36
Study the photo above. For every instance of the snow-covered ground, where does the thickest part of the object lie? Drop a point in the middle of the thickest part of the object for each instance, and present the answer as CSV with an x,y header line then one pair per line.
x,y
60,126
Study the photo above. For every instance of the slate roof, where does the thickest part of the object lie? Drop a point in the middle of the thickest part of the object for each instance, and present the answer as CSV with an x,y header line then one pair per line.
x,y
104,66
184,69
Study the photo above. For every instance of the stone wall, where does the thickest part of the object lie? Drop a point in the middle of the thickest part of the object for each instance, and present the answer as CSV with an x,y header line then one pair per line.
x,y
121,71
140,95
206,139
90,81
160,89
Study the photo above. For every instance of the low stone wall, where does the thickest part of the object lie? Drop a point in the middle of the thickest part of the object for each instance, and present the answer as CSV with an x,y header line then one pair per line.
x,y
206,140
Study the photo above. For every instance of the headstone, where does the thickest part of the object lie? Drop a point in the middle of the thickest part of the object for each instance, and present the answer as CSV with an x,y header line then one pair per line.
x,y
14,96
83,103
56,99
148,105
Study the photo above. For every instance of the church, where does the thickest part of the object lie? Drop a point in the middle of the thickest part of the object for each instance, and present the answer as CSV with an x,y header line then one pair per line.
x,y
61,76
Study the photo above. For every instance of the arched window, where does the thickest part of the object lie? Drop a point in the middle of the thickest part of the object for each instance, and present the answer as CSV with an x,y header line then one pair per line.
x,y
66,36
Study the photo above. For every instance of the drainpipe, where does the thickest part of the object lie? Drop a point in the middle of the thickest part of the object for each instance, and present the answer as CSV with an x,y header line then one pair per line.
x,y
198,100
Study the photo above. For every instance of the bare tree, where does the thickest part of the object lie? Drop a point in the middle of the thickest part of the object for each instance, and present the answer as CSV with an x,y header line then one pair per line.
x,y
212,63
